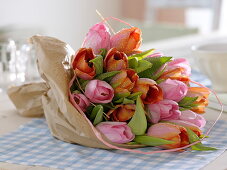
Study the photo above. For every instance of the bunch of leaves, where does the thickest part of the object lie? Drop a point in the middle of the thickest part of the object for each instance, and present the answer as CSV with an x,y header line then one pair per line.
x,y
148,67
187,103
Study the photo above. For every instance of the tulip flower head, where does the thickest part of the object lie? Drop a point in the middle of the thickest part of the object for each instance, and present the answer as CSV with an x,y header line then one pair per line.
x,y
81,100
174,89
175,74
180,63
126,40
117,132
97,38
115,60
163,110
99,91
190,116
187,124
151,92
175,133
81,65
124,81
122,113
202,101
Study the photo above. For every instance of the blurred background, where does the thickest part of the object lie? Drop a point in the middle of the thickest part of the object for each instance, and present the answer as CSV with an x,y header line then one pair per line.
x,y
69,20
171,26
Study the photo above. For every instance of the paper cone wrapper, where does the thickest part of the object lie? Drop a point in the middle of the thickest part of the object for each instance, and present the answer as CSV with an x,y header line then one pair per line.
x,y
64,120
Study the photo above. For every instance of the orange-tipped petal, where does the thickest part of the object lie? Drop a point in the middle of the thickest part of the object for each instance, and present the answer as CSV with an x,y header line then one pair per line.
x,y
124,81
81,65
172,132
175,74
122,113
115,60
202,101
127,40
151,93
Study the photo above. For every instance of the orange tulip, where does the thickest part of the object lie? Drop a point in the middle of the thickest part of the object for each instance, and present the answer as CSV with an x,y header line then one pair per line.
x,y
175,74
172,132
202,101
151,92
115,60
81,65
122,113
127,40
124,81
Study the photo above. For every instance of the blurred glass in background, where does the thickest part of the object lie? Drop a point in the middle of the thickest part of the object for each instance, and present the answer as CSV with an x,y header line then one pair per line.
x,y
17,64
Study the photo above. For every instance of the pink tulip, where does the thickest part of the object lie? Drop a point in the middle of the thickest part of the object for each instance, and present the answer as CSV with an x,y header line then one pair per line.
x,y
98,37
99,91
187,124
163,110
174,89
175,133
192,117
117,132
180,63
81,100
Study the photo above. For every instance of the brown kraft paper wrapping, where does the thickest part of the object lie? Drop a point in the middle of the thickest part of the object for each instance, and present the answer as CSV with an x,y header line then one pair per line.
x,y
64,121
28,98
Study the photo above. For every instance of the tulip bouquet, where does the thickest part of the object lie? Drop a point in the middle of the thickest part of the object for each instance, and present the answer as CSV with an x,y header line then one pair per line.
x,y
136,97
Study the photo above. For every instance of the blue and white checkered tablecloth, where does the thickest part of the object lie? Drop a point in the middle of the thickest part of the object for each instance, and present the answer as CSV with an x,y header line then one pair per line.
x,y
32,144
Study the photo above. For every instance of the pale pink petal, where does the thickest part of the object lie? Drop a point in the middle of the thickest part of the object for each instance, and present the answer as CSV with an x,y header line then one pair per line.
x,y
117,132
180,63
90,89
98,37
161,130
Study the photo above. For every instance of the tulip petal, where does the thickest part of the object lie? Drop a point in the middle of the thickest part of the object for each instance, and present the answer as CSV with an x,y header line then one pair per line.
x,y
117,132
126,40
97,38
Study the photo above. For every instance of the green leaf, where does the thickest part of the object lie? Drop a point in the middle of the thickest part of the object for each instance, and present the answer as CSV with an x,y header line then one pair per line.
x,y
121,95
98,63
138,123
157,62
142,55
133,63
152,141
157,75
103,52
140,65
187,101
97,114
124,101
134,96
199,146
107,75
143,65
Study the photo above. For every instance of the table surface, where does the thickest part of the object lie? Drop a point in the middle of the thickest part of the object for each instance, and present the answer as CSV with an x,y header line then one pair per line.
x,y
10,121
